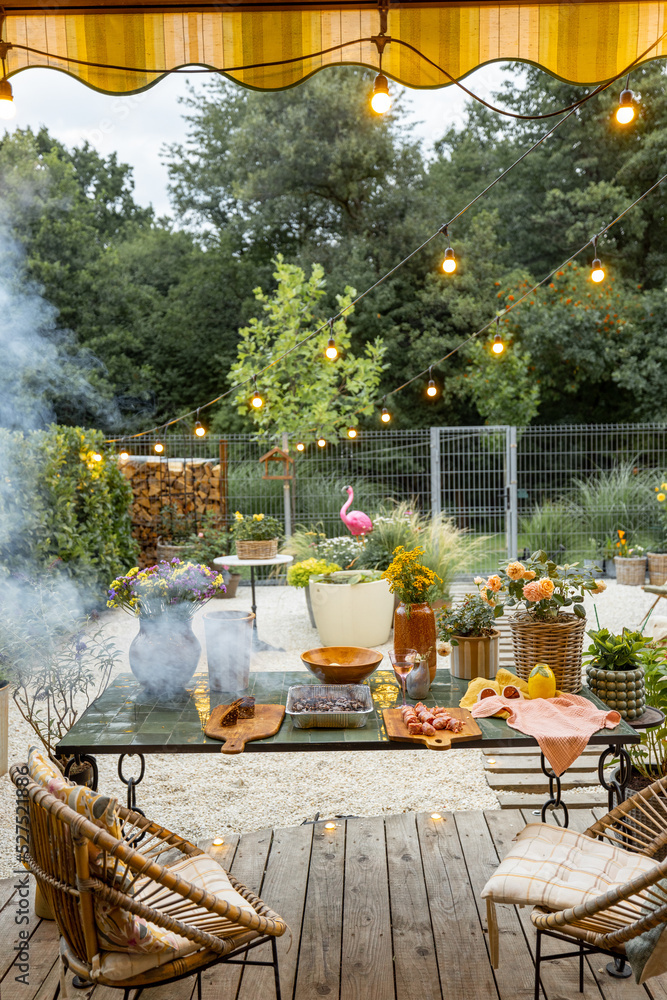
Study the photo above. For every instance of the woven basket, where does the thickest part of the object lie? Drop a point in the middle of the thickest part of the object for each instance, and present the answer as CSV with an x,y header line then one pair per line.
x,y
167,551
264,549
557,642
632,571
657,569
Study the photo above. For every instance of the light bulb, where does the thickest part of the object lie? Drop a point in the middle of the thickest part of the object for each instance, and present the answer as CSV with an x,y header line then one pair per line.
x,y
497,346
625,111
352,432
436,816
96,457
385,416
380,101
158,447
218,842
331,351
257,402
7,106
300,446
123,456
431,389
329,826
449,263
597,271
199,430
321,442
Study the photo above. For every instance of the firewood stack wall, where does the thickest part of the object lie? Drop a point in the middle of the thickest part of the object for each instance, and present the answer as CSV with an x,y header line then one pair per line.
x,y
192,487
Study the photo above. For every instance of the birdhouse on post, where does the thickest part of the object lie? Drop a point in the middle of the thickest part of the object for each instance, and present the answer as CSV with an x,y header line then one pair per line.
x,y
279,459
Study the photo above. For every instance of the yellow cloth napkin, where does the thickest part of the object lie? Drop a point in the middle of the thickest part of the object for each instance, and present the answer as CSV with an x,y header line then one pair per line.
x,y
502,679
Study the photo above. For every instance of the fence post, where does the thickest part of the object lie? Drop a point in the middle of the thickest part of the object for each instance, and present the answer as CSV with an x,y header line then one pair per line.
x,y
511,490
436,478
287,502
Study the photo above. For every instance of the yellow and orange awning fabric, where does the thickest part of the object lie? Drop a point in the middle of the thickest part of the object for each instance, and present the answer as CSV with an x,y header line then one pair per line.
x,y
272,46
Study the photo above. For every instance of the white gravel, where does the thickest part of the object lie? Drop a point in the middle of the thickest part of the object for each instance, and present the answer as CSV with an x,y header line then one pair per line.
x,y
202,795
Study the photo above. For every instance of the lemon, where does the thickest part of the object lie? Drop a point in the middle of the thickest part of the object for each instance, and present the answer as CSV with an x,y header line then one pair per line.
x,y
541,683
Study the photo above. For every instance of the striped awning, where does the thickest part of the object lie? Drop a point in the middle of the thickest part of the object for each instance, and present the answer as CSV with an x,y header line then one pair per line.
x,y
122,48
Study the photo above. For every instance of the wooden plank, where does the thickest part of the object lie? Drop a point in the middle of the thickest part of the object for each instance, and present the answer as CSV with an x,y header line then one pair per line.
x,y
415,964
248,867
515,976
367,971
318,973
47,989
459,940
6,890
531,783
284,890
531,765
41,955
560,978
15,908
573,800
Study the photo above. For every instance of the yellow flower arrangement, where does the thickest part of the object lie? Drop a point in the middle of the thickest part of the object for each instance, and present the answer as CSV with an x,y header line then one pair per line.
x,y
412,582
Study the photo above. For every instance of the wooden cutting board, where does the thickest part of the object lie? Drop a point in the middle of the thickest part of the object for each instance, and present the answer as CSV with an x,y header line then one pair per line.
x,y
443,739
266,722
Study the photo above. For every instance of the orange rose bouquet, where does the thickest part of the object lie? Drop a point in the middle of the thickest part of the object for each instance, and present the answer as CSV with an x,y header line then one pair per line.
x,y
541,586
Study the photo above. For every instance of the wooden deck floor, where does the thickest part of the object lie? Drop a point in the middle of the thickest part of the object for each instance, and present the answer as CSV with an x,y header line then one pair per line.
x,y
381,909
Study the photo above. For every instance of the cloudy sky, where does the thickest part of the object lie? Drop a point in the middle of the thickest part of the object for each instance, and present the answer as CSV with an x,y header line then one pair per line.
x,y
137,127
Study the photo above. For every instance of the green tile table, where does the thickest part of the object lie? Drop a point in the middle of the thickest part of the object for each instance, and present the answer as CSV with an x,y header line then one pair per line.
x,y
125,721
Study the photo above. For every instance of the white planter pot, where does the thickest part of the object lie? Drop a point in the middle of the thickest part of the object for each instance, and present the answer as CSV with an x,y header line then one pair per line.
x,y
475,656
352,615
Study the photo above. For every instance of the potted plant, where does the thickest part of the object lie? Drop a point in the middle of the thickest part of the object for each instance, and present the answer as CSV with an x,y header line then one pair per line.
x,y
211,541
474,641
615,670
174,529
630,562
256,536
657,561
164,654
352,607
299,574
544,630
416,586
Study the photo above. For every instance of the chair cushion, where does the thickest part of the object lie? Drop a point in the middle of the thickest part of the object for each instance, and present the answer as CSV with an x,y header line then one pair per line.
x,y
558,868
102,810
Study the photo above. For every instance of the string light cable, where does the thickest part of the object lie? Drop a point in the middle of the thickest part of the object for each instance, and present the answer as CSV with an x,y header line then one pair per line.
x,y
496,319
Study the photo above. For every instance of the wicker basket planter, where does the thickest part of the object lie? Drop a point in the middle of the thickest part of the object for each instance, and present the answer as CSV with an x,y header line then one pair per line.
x,y
475,656
267,548
630,571
620,689
166,551
657,568
557,642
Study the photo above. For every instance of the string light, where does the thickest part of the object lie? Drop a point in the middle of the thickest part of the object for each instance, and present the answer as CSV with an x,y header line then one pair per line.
x,y
300,446
380,100
124,456
256,402
199,430
431,388
331,351
96,457
352,432
498,345
597,270
385,416
322,442
626,111
449,263
158,447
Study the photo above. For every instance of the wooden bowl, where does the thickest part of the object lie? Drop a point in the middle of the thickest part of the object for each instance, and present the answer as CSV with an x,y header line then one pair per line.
x,y
342,664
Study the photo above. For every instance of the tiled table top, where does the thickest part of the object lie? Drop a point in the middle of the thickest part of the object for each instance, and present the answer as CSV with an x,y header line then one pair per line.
x,y
124,720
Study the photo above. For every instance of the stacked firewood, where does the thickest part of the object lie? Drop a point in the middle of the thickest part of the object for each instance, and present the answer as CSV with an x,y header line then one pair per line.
x,y
190,487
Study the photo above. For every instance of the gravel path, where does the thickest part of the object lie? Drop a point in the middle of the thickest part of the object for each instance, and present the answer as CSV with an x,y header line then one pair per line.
x,y
202,796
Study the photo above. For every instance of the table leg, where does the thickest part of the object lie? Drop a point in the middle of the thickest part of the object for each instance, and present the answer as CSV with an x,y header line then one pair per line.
x,y
256,641
554,792
613,787
132,783
83,758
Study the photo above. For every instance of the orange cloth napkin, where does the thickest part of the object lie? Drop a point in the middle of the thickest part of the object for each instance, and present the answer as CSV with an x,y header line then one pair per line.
x,y
562,726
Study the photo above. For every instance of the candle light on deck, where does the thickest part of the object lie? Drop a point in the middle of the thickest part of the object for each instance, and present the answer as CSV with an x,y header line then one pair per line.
x,y
218,841
436,816
329,826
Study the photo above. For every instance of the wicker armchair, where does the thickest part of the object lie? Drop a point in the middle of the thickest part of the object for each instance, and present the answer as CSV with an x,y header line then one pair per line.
x,y
77,864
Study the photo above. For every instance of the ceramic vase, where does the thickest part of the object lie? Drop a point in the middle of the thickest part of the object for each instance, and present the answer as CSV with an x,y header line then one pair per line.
x,y
414,628
620,689
475,656
165,653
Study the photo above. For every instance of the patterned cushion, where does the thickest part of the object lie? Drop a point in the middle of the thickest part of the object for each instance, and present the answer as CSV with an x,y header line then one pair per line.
x,y
557,868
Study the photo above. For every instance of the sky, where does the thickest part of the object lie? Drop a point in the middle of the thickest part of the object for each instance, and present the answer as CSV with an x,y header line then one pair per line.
x,y
137,127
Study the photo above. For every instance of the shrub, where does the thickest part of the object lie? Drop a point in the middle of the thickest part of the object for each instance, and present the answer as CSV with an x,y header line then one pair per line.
x,y
554,526
299,573
619,498
64,500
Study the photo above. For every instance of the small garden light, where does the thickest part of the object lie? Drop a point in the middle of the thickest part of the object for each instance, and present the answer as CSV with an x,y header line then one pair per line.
x,y
626,110
123,456
449,263
300,446
256,402
199,430
597,270
498,345
385,416
321,442
331,351
436,816
380,99
158,447
218,842
329,826
431,388
96,457
352,432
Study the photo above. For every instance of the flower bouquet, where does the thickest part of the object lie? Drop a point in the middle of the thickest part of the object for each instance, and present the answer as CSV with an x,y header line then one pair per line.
x,y
256,535
180,588
416,586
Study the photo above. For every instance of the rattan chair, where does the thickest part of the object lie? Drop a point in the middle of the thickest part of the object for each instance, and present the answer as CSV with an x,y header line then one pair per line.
x,y
59,852
608,922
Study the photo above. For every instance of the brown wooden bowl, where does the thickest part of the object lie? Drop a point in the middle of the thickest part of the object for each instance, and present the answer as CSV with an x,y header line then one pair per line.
x,y
342,664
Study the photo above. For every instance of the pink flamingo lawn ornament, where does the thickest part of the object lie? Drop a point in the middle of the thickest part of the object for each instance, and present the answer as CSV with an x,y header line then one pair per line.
x,y
358,522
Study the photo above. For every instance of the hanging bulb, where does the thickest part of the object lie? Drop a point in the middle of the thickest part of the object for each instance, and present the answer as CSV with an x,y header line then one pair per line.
x,y
431,388
380,100
199,430
385,416
300,446
626,110
256,402
597,271
123,456
497,346
7,106
449,263
352,432
158,447
96,457
321,442
332,351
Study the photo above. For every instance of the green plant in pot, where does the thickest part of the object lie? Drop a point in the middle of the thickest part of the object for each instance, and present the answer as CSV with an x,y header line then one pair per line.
x,y
256,535
615,670
469,628
174,530
299,574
